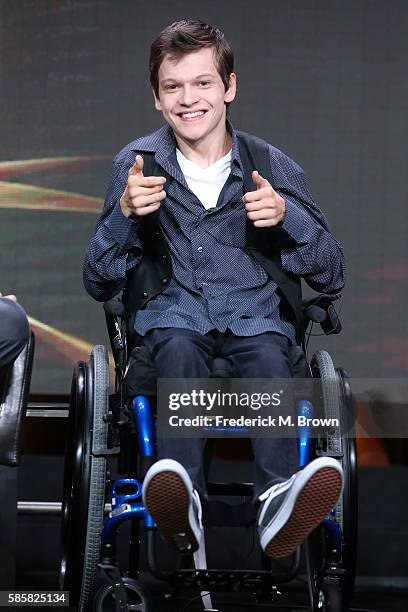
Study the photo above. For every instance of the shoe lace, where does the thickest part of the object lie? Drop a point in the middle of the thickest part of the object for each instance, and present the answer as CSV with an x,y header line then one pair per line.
x,y
280,486
197,500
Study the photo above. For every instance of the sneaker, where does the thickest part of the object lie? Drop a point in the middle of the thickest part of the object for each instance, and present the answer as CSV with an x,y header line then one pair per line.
x,y
293,508
174,505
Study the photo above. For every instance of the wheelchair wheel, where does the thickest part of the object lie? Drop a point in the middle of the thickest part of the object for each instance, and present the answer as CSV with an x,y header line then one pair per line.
x,y
106,597
84,478
337,402
350,493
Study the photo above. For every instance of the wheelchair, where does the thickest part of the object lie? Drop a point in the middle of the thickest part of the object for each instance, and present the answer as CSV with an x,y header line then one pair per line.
x,y
106,428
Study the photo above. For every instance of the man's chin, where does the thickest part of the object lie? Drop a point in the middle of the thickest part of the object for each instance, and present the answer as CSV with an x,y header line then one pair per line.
x,y
190,135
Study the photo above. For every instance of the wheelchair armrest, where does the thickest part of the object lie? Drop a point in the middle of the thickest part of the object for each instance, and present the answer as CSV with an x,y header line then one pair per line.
x,y
120,324
320,309
115,322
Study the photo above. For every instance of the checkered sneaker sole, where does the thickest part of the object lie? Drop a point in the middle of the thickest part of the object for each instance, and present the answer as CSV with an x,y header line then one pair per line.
x,y
168,501
316,499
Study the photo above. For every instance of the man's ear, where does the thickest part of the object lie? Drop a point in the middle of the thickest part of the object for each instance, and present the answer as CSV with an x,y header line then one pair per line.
x,y
157,104
232,89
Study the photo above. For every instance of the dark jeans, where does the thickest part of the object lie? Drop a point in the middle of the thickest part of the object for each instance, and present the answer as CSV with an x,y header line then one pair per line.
x,y
182,353
14,331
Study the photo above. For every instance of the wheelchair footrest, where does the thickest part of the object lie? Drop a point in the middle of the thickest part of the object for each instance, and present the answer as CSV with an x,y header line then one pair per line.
x,y
224,580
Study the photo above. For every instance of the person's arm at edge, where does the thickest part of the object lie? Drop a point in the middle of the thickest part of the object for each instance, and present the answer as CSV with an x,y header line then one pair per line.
x,y
115,247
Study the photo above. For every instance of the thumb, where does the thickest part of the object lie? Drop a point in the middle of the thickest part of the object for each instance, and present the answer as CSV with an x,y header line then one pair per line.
x,y
259,180
137,167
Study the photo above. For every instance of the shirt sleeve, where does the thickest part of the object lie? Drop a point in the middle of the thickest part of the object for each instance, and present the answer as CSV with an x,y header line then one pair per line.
x,y
311,251
115,247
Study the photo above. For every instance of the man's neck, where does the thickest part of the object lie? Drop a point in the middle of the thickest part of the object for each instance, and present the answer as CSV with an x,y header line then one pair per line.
x,y
208,151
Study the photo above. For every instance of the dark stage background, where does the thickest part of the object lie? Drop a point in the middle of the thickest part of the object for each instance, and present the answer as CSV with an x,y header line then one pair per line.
x,y
323,80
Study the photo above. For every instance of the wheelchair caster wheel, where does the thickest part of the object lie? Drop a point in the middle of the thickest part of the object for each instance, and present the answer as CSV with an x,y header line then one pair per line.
x,y
329,598
106,598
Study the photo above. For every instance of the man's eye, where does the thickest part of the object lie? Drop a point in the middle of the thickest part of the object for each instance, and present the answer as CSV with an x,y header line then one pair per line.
x,y
171,87
204,83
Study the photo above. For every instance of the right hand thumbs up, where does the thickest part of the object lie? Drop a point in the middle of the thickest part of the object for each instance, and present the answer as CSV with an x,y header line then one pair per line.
x,y
137,167
143,194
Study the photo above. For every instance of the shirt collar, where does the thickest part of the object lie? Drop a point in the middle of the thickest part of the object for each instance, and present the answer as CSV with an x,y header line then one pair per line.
x,y
236,163
165,152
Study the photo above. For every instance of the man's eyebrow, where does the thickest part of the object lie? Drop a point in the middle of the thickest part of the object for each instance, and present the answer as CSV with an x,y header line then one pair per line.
x,y
202,76
197,78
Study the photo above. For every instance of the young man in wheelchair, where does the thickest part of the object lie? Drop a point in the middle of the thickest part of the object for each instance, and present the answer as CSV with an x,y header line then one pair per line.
x,y
219,299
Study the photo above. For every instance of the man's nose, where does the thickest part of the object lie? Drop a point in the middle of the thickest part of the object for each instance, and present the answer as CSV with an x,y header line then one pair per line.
x,y
188,96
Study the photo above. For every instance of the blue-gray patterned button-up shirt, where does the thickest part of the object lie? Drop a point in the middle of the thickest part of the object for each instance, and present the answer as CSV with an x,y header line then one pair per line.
x,y
216,284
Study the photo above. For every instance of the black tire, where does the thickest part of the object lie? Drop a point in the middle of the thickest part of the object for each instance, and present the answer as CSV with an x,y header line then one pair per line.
x,y
84,478
337,403
105,598
350,494
323,368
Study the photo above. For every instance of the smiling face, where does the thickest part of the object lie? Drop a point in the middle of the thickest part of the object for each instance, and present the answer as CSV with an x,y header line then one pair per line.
x,y
192,97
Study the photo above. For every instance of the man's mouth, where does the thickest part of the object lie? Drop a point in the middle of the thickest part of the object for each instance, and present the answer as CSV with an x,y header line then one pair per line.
x,y
192,115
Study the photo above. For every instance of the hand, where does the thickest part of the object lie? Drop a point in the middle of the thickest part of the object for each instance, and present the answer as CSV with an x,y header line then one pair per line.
x,y
264,207
9,297
143,194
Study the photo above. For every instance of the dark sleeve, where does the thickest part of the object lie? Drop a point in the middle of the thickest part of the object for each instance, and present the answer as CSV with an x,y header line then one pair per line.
x,y
311,251
115,247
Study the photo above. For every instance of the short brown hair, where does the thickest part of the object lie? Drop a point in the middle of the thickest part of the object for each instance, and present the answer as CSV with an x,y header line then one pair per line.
x,y
182,37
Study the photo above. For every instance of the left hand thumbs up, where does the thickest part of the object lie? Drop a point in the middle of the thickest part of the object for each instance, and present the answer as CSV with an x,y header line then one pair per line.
x,y
264,207
259,180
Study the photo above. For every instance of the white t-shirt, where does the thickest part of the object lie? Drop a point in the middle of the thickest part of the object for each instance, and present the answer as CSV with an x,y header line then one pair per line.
x,y
205,183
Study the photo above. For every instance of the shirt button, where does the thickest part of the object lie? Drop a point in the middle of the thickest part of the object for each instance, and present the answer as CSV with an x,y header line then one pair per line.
x,y
200,249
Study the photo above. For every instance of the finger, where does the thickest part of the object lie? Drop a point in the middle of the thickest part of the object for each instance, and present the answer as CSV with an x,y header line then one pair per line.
x,y
146,210
148,200
258,215
146,181
137,168
260,205
266,223
136,191
264,192
259,180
